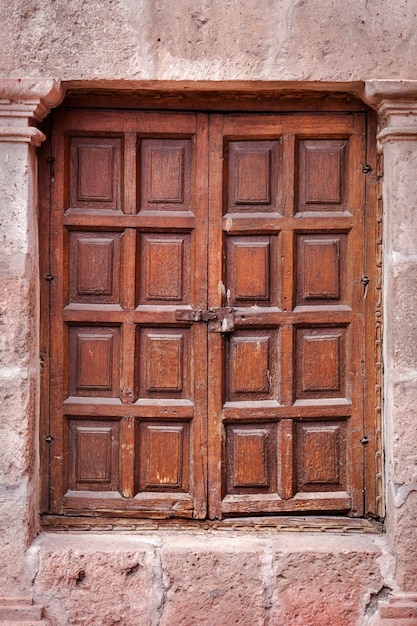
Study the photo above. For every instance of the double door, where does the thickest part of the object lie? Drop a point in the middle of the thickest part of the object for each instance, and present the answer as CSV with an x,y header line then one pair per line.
x,y
207,329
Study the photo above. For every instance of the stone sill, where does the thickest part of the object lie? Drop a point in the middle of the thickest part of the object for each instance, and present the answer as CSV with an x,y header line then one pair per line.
x,y
172,578
327,524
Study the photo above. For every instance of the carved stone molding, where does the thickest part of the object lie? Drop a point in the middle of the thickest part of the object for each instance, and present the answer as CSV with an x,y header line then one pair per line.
x,y
396,104
24,102
31,134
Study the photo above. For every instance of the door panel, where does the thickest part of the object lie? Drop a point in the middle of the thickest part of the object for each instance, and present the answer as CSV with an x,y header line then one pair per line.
x,y
207,333
129,246
285,403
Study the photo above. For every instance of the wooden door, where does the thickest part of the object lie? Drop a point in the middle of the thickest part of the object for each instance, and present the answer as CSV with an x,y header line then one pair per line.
x,y
286,254
128,248
207,314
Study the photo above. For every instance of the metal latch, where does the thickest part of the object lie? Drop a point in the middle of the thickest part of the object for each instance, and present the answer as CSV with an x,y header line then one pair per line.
x,y
220,320
224,322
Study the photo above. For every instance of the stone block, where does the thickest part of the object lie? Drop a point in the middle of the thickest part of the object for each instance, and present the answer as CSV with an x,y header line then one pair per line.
x,y
190,578
90,579
402,445
400,220
15,425
16,533
210,580
323,581
401,319
185,578
403,535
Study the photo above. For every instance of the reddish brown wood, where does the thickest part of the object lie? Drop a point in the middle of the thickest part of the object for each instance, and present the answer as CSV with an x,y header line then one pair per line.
x,y
163,457
372,379
58,389
252,172
128,235
128,437
45,176
300,361
95,173
321,457
258,217
165,174
287,464
130,172
217,297
94,455
251,458
242,96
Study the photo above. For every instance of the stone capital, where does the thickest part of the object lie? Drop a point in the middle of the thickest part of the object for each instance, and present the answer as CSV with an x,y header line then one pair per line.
x,y
396,103
24,102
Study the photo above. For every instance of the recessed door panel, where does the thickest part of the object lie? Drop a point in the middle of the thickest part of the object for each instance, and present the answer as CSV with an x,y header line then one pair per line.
x,y
95,168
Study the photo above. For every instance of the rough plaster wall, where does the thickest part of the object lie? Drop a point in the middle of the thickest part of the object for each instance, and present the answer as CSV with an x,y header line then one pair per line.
x,y
212,40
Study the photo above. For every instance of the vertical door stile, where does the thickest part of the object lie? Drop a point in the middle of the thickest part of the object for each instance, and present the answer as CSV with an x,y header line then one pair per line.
x,y
44,235
128,382
199,331
357,156
129,173
128,375
286,478
286,345
287,358
372,366
58,338
127,461
216,297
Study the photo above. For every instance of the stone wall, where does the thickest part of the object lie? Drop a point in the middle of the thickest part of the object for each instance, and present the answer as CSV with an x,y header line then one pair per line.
x,y
362,46
264,40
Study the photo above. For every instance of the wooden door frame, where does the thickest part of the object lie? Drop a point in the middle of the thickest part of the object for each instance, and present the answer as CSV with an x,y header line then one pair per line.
x,y
256,102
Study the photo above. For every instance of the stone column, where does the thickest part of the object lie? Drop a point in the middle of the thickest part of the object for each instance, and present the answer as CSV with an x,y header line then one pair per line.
x,y
22,104
396,104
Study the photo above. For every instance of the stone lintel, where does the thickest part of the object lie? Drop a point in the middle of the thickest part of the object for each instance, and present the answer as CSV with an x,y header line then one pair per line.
x,y
396,104
24,102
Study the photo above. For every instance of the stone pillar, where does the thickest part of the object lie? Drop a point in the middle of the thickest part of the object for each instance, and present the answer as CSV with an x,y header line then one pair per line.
x,y
22,104
396,104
